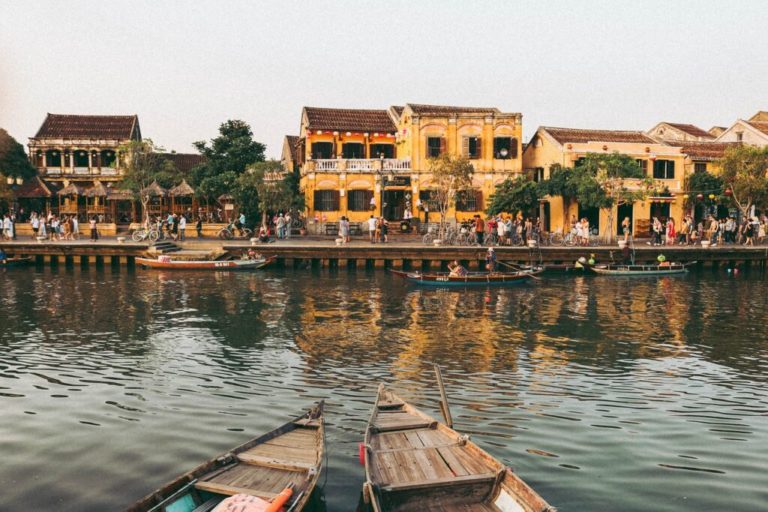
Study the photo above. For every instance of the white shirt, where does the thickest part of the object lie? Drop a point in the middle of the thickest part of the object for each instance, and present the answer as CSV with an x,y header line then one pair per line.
x,y
372,224
182,222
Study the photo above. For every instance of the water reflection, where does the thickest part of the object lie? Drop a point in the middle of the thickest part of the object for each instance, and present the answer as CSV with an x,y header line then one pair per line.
x,y
603,393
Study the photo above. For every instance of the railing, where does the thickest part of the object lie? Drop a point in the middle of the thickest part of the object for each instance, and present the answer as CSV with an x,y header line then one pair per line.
x,y
109,171
397,164
326,165
52,171
359,164
82,171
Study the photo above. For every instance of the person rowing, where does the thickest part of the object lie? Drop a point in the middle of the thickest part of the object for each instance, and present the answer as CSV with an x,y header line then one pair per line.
x,y
457,270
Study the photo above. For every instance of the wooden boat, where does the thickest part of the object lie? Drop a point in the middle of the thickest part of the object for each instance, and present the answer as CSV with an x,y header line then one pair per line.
x,y
615,269
15,262
262,467
170,264
415,463
470,279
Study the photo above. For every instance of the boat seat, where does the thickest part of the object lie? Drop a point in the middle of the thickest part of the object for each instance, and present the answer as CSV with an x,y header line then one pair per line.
x,y
483,478
271,462
208,505
228,490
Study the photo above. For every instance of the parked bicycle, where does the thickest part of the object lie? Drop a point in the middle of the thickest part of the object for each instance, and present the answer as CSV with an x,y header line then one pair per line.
x,y
230,231
142,234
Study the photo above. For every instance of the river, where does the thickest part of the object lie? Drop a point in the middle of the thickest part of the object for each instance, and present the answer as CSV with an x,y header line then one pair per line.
x,y
602,393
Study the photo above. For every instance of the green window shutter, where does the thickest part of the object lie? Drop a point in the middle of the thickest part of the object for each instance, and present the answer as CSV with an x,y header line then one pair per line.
x,y
465,146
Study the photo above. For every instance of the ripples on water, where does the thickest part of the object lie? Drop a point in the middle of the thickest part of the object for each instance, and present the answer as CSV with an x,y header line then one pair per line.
x,y
604,394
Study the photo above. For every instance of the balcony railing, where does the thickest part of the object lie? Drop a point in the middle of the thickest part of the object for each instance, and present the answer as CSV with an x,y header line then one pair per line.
x,y
392,165
82,171
109,171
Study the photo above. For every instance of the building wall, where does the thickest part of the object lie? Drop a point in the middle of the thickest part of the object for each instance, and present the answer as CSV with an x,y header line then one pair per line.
x,y
544,151
748,135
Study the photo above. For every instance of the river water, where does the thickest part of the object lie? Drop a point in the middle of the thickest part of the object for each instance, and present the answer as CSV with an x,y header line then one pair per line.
x,y
602,393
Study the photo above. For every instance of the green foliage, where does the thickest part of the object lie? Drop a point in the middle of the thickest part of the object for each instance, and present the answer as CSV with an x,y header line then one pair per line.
x,y
263,189
744,170
145,163
13,159
515,195
450,175
704,183
227,155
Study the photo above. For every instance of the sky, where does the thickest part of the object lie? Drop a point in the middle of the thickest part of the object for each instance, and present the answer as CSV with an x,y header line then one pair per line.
x,y
186,67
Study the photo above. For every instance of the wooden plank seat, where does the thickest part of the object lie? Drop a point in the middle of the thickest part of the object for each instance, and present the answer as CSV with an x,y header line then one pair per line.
x,y
272,462
231,490
454,481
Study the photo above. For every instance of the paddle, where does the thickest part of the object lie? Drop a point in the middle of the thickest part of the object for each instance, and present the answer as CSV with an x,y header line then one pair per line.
x,y
515,267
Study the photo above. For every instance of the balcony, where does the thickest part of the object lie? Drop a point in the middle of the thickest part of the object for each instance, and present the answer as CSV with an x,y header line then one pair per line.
x,y
81,171
361,165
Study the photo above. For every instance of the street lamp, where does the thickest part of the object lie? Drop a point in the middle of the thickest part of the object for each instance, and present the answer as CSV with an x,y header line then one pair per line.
x,y
504,152
381,178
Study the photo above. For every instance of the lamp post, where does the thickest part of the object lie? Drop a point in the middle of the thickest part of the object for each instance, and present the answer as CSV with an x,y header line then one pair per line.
x,y
381,179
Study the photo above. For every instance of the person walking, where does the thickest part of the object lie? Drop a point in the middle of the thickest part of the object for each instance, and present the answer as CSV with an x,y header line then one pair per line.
x,y
479,229
94,228
344,229
280,225
625,228
199,227
372,228
182,227
288,222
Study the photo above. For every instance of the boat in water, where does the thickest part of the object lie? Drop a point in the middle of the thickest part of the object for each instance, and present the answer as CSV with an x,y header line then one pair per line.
x,y
15,262
283,465
167,263
415,463
619,269
468,279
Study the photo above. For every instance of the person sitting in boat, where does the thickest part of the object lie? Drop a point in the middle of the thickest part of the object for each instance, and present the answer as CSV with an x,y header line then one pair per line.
x,y
3,256
457,269
252,254
490,260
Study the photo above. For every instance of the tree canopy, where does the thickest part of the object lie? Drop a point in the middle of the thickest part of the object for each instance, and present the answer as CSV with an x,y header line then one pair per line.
x,y
227,157
262,189
13,159
515,195
145,163
744,170
450,175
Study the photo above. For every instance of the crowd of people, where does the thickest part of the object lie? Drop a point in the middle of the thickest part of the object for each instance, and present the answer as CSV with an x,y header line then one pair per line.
x,y
715,231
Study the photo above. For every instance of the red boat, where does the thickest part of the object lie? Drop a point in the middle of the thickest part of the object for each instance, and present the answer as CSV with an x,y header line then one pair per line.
x,y
166,263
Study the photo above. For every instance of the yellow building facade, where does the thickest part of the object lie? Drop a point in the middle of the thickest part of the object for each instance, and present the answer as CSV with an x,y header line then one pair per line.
x,y
357,163
565,146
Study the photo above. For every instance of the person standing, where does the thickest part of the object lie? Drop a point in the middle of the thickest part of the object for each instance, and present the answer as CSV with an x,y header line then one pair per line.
x,y
372,228
288,222
199,227
94,229
182,227
479,229
35,221
344,229
490,260
384,228
280,225
626,229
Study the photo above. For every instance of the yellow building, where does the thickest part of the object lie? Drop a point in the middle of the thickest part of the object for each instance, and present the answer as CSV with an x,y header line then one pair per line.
x,y
565,146
357,163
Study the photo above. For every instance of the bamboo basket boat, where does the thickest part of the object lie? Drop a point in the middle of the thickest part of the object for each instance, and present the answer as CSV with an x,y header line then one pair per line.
x,y
289,456
415,463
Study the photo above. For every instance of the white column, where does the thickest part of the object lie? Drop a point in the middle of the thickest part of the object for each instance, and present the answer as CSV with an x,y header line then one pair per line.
x,y
90,162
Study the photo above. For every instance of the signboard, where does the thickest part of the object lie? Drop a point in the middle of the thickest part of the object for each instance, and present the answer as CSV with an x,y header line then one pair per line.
x,y
229,206
398,181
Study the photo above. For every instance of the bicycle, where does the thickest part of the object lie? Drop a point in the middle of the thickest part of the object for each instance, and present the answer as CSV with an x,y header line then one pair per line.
x,y
229,232
142,234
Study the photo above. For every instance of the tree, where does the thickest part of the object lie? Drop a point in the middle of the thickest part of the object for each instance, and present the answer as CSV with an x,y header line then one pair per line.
x,y
515,195
144,165
450,175
227,157
263,188
612,172
703,183
13,159
744,171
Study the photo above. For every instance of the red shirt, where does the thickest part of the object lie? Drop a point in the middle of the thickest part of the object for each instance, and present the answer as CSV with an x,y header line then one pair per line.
x,y
479,225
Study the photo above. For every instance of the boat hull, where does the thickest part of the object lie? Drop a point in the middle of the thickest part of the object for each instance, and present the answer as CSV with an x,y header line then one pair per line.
x,y
225,265
252,468
638,270
471,279
16,262
414,462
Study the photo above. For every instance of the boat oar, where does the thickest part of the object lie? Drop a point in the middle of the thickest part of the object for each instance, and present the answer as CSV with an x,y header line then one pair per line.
x,y
515,267
444,398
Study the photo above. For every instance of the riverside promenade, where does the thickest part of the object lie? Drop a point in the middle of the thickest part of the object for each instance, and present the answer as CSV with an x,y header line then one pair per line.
x,y
404,253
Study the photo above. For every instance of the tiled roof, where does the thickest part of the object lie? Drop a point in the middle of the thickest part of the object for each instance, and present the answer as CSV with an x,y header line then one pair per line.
x,y
761,126
691,129
705,150
398,109
34,187
293,142
184,162
348,119
577,135
58,126
447,110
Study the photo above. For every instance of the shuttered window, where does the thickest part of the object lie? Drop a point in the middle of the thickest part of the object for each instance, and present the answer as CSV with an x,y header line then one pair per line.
x,y
472,147
504,143
359,200
643,164
425,196
326,200
353,150
322,150
664,169
700,167
435,146
469,201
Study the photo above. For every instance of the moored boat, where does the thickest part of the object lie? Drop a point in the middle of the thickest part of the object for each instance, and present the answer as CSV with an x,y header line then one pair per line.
x,y
166,263
15,262
616,269
469,279
413,462
289,457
